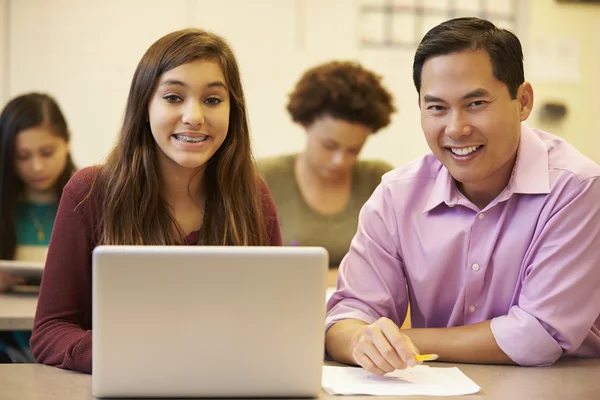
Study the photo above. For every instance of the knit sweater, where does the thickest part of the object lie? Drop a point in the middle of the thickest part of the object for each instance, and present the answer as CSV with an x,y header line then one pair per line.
x,y
62,331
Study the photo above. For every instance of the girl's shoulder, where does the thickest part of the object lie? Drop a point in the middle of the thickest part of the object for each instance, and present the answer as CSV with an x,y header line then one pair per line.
x,y
82,182
84,193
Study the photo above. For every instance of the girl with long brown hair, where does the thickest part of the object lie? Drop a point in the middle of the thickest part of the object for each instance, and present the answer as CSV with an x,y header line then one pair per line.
x,y
182,172
35,165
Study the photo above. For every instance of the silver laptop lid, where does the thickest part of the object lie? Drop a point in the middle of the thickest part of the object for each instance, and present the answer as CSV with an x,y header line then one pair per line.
x,y
201,321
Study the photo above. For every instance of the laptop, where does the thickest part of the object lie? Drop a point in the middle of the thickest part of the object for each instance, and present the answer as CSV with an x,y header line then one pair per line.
x,y
24,269
208,321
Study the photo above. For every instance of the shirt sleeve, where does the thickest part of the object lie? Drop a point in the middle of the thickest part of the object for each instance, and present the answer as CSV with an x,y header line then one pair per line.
x,y
371,281
62,333
560,295
270,216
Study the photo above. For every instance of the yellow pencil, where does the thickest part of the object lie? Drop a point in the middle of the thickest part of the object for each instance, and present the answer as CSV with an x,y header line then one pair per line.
x,y
426,357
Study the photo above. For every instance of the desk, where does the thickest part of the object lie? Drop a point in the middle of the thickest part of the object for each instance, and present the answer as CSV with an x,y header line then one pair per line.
x,y
568,379
17,311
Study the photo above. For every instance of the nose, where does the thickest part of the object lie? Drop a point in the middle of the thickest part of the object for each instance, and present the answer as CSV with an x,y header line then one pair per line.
x,y
37,164
193,114
458,125
339,158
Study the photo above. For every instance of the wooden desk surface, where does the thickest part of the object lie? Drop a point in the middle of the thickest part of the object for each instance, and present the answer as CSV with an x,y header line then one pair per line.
x,y
17,311
568,379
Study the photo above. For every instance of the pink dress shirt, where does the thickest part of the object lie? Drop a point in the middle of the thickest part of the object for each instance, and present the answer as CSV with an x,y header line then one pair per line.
x,y
529,261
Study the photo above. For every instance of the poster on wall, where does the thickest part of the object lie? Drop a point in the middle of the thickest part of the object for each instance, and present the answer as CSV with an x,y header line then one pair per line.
x,y
402,23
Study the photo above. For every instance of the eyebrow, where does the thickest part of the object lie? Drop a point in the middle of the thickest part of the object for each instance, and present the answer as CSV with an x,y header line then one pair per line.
x,y
480,92
175,82
335,142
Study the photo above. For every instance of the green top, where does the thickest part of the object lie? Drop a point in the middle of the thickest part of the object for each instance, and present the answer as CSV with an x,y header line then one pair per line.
x,y
303,226
34,223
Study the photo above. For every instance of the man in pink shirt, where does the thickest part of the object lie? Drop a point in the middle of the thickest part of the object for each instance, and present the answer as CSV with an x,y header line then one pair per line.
x,y
493,237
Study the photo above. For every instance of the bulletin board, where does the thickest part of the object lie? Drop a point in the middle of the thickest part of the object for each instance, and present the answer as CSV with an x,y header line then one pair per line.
x,y
403,23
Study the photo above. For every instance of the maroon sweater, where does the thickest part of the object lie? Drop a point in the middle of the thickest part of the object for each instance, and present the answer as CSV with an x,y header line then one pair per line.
x,y
62,334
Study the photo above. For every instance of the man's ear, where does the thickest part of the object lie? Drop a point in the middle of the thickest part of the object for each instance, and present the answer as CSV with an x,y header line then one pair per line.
x,y
525,99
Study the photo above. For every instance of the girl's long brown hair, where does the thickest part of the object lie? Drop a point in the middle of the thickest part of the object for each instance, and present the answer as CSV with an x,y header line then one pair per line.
x,y
133,210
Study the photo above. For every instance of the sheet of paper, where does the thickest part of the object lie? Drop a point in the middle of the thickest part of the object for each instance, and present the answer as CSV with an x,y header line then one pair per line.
x,y
419,380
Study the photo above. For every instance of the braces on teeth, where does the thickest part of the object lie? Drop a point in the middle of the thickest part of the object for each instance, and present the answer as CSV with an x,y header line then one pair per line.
x,y
191,139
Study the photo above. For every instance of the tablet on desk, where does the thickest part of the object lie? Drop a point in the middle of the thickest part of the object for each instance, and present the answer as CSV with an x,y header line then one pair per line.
x,y
25,269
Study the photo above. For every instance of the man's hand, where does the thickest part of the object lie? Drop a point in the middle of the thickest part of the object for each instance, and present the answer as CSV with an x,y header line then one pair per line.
x,y
382,347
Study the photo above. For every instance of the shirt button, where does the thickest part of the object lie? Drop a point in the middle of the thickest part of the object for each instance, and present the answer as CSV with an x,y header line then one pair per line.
x,y
472,309
481,216
475,267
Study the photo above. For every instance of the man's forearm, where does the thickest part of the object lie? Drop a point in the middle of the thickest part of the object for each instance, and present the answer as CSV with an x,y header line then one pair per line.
x,y
339,339
464,344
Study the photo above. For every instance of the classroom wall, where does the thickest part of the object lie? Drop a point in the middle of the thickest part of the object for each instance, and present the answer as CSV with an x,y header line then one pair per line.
x,y
4,27
85,51
581,127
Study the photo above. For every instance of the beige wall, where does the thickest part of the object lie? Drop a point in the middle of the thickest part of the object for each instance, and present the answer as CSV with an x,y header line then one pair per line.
x,y
84,53
581,21
3,52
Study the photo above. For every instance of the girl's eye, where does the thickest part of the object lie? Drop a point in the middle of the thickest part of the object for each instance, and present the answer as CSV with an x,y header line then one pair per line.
x,y
172,98
213,101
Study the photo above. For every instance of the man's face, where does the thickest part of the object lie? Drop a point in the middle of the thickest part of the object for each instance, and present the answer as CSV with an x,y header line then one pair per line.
x,y
470,121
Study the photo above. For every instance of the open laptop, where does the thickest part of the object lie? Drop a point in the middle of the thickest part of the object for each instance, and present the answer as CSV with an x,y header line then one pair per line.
x,y
204,321
25,269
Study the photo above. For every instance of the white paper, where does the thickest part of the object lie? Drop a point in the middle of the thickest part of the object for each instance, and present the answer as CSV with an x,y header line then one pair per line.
x,y
419,380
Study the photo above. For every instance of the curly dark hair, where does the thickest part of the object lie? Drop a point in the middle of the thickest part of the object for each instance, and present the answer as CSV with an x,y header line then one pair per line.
x,y
342,90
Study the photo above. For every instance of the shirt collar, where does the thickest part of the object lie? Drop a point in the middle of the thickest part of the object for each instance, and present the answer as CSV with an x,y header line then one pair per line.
x,y
530,174
444,190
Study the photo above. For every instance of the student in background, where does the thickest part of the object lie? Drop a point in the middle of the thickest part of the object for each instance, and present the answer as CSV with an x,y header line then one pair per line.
x,y
319,192
495,232
35,165
182,172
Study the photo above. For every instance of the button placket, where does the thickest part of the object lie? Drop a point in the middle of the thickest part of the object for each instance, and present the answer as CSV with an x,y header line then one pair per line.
x,y
475,277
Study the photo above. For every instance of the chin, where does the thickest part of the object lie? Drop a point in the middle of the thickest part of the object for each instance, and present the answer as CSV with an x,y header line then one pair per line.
x,y
191,164
43,188
465,178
